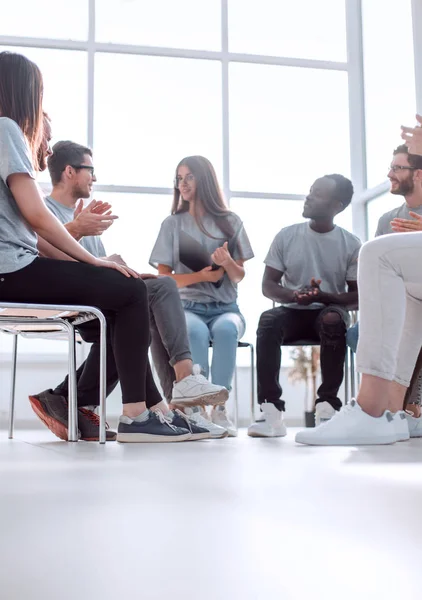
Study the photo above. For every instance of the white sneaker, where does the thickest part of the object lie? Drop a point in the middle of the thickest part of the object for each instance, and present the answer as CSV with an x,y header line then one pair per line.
x,y
414,424
197,414
196,390
351,426
220,417
323,412
402,428
271,426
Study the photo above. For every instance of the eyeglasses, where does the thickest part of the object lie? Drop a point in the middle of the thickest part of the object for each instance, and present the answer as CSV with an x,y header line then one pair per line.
x,y
88,167
397,168
187,179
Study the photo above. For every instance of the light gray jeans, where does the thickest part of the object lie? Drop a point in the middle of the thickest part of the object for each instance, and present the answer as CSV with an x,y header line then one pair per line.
x,y
169,336
390,304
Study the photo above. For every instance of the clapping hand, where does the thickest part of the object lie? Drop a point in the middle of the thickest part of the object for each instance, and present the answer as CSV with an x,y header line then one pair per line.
x,y
413,137
407,225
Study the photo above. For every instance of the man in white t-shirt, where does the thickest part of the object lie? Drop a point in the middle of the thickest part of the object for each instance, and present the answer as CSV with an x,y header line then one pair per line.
x,y
311,270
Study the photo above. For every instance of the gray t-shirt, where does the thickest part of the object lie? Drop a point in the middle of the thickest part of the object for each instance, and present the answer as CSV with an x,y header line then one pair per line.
x,y
301,253
92,243
402,212
18,241
166,252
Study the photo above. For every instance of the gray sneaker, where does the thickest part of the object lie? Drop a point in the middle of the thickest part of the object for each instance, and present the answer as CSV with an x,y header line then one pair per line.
x,y
155,429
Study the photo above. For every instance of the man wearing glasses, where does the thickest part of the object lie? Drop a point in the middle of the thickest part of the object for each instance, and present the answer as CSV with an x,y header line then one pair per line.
x,y
72,174
405,176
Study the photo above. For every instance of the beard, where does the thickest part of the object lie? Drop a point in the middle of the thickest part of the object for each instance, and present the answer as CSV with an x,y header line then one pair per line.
x,y
404,188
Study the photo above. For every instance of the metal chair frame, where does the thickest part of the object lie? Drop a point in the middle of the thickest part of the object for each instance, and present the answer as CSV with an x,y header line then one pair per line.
x,y
68,325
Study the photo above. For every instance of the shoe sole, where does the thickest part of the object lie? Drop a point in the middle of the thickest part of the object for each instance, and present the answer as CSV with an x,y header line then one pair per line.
x,y
215,399
200,436
53,425
220,436
261,435
139,438
97,439
357,442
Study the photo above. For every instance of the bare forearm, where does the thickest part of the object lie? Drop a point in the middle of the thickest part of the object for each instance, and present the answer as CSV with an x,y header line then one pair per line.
x,y
277,293
346,299
48,251
53,232
234,271
71,228
185,279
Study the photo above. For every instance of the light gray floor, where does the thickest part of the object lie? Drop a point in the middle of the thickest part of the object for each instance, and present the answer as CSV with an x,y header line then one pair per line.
x,y
236,518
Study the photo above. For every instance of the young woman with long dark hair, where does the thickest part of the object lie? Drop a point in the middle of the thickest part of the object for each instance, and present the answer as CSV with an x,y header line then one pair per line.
x,y
26,277
209,295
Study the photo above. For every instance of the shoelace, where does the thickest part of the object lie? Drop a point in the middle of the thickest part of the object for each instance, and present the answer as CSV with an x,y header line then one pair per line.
x,y
93,417
185,418
163,419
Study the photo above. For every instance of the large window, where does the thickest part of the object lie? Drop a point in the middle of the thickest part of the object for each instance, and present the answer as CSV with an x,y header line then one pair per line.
x,y
260,88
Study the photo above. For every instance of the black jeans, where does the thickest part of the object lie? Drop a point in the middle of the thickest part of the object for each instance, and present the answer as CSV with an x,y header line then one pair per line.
x,y
88,374
123,301
169,344
282,325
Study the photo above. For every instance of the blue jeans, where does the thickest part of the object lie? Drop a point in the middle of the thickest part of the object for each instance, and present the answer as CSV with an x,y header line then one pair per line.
x,y
221,324
352,337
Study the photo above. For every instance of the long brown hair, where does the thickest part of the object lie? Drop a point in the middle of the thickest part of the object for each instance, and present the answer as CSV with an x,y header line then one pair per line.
x,y
208,192
21,93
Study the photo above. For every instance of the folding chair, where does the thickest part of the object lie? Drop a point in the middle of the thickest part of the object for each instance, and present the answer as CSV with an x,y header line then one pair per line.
x,y
34,320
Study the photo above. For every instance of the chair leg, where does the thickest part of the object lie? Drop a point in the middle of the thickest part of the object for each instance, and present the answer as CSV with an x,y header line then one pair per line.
x,y
103,358
346,377
13,386
236,400
252,383
72,433
352,375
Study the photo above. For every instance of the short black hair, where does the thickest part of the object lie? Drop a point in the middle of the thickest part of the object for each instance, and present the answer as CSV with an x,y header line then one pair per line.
x,y
344,189
415,160
65,153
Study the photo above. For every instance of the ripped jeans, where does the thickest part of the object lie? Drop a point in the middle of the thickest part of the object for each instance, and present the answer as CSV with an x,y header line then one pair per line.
x,y
282,325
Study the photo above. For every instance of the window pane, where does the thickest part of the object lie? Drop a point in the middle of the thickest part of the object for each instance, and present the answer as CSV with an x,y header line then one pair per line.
x,y
278,28
261,229
60,19
65,91
390,97
134,233
288,126
181,24
377,207
150,112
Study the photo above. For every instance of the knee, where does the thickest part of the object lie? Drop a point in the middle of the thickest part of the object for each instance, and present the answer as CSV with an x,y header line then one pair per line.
x,y
266,322
332,325
167,284
226,330
197,332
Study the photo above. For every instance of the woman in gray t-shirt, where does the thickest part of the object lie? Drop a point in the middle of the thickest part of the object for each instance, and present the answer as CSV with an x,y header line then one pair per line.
x,y
201,232
86,280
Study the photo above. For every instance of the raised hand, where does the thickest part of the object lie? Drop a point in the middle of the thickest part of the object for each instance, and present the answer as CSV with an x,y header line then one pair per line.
x,y
94,219
413,137
407,225
222,255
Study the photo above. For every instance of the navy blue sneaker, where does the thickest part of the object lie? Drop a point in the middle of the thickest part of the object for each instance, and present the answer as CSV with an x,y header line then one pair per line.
x,y
155,429
181,420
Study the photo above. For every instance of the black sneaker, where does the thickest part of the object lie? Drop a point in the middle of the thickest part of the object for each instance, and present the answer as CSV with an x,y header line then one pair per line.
x,y
155,429
53,412
181,420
